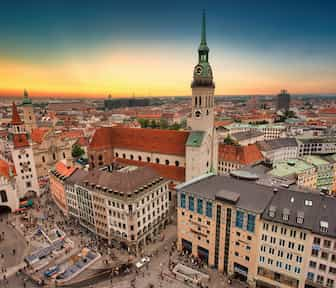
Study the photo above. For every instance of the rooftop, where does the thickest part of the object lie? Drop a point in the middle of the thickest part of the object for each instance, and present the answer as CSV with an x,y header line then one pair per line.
x,y
141,139
278,143
244,194
314,208
315,160
245,155
290,167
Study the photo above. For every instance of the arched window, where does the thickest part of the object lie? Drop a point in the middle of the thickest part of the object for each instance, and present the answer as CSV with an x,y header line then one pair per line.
x,y
177,163
54,156
167,162
196,101
100,157
200,101
157,160
63,155
43,159
148,159
139,158
132,157
117,155
124,155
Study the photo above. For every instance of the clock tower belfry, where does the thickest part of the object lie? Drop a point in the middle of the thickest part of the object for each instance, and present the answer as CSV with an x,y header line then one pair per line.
x,y
203,87
202,147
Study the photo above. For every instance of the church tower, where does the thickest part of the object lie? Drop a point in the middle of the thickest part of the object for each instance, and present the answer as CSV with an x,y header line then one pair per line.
x,y
202,148
203,88
28,112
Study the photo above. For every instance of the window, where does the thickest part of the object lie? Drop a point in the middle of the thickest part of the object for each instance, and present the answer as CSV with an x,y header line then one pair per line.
x,y
327,243
157,160
322,267
131,156
63,155
43,159
183,200
332,270
3,196
167,162
312,264
324,255
54,156
317,241
191,203
124,155
177,163
297,270
320,279
330,283
239,219
117,155
315,252
199,206
139,158
310,276
208,211
28,184
250,222
148,159
279,264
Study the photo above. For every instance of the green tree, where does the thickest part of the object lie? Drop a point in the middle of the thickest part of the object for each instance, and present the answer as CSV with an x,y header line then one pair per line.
x,y
77,151
175,126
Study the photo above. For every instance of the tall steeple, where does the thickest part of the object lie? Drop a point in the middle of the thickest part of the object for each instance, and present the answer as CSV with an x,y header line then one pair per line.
x,y
202,71
203,49
16,120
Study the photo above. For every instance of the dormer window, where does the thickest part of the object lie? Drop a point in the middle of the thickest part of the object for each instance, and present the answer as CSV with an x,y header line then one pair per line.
x,y
300,217
309,203
272,211
285,214
324,226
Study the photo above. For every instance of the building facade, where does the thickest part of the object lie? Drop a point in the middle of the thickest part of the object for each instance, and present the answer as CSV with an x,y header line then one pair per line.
x,y
266,236
128,207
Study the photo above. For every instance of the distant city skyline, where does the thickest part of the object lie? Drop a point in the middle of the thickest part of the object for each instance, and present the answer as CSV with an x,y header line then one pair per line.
x,y
58,48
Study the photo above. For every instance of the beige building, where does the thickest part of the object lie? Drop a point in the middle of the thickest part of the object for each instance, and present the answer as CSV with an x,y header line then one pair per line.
x,y
128,207
218,221
265,236
29,117
49,148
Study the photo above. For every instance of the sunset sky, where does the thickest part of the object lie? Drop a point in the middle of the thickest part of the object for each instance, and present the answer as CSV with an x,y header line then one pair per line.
x,y
96,48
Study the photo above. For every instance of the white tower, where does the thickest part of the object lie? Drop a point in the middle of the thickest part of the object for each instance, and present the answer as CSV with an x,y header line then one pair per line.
x,y
23,158
202,149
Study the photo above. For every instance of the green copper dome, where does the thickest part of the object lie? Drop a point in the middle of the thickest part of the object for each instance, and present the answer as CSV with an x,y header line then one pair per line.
x,y
202,72
26,100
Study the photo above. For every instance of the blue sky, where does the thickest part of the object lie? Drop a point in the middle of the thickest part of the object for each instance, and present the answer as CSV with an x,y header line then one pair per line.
x,y
291,39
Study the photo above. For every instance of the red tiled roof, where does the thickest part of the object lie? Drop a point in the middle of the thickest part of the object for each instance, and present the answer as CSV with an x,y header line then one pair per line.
x,y
165,171
330,110
149,116
82,141
63,169
16,120
5,168
20,140
141,139
244,155
223,123
72,134
38,134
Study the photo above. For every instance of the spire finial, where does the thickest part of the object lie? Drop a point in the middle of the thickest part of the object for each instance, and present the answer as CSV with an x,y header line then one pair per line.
x,y
25,93
203,36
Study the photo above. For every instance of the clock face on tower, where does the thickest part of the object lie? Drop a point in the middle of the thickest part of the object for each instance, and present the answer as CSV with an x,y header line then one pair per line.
x,y
198,70
198,114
